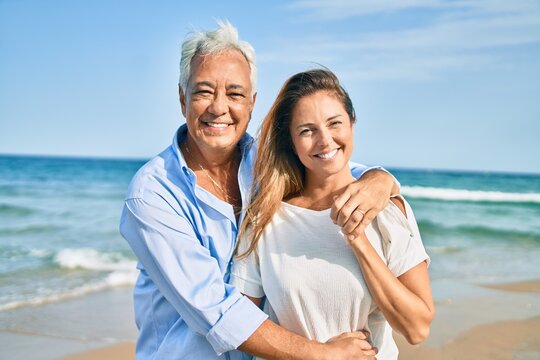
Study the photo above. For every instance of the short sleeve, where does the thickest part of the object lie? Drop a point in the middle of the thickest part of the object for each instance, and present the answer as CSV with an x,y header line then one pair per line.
x,y
246,271
402,244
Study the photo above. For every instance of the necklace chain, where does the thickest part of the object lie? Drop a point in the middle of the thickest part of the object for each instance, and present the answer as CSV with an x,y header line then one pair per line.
x,y
214,182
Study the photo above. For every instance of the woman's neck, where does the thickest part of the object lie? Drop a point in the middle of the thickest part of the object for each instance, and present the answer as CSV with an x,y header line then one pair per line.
x,y
319,192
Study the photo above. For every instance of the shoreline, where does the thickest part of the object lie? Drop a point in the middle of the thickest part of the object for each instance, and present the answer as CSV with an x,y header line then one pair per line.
x,y
480,310
500,340
76,325
519,286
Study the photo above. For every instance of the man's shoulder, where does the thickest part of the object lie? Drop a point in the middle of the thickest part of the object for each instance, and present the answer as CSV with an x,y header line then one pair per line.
x,y
153,175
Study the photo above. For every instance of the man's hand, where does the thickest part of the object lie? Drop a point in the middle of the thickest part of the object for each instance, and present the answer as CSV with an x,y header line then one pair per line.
x,y
362,200
353,345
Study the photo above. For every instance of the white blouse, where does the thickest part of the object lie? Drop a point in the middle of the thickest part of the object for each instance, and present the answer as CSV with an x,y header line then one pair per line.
x,y
312,279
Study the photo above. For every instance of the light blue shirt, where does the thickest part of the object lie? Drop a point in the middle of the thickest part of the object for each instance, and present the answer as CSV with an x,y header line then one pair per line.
x,y
185,238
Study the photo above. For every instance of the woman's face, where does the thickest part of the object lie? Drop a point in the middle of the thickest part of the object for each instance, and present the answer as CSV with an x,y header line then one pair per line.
x,y
322,134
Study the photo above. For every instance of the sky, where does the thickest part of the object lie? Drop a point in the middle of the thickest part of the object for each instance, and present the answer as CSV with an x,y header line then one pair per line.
x,y
435,84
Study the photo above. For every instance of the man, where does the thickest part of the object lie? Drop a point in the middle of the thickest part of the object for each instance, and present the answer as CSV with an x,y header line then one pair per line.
x,y
183,211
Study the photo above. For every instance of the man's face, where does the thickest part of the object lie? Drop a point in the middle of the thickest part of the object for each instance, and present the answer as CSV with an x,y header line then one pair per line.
x,y
218,100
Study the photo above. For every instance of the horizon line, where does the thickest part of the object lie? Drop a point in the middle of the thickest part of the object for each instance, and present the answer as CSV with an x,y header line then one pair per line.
x,y
128,158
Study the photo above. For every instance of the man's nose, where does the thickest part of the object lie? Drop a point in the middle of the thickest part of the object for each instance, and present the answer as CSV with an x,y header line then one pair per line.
x,y
218,106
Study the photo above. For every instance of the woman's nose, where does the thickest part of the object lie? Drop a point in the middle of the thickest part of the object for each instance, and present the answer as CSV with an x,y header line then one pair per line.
x,y
325,138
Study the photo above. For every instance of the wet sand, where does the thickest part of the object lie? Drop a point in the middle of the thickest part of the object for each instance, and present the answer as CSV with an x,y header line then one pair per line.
x,y
473,321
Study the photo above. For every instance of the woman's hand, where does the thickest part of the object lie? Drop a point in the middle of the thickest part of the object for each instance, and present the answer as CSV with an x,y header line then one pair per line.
x,y
362,200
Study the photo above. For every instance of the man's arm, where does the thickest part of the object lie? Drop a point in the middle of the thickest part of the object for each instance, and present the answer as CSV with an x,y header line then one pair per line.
x,y
186,274
271,341
189,278
363,199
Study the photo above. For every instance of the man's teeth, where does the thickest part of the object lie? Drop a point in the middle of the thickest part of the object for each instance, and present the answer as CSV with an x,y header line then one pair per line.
x,y
217,125
328,155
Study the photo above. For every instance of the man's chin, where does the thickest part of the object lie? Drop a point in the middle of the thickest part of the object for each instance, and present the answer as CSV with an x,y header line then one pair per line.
x,y
221,143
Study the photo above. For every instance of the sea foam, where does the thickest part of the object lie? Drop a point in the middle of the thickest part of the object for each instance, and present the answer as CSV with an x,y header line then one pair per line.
x,y
468,195
119,271
113,280
91,259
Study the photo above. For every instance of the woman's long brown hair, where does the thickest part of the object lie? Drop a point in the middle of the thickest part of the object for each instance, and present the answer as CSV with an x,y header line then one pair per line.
x,y
279,174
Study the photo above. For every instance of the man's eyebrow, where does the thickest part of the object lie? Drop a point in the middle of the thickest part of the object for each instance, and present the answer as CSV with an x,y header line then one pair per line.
x,y
204,83
235,87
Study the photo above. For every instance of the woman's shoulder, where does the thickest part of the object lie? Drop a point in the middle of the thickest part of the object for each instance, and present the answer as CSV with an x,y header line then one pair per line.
x,y
398,212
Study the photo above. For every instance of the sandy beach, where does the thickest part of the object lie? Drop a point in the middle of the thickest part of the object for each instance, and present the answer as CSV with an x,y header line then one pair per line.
x,y
73,326
477,321
473,321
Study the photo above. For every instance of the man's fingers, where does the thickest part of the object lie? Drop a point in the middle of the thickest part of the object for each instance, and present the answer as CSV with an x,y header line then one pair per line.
x,y
339,202
366,346
361,335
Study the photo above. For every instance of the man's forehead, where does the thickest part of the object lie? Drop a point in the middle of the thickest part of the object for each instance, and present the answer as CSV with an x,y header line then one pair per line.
x,y
230,66
219,59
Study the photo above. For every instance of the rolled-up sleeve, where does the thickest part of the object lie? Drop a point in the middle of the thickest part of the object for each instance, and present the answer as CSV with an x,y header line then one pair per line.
x,y
187,274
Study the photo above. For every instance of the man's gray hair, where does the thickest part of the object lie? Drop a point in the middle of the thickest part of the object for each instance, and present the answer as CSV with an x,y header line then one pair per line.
x,y
224,38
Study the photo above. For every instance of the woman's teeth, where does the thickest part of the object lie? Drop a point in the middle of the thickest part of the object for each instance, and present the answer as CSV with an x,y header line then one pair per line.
x,y
328,155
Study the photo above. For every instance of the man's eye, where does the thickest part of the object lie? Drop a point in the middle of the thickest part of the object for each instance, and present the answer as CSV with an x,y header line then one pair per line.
x,y
335,123
237,95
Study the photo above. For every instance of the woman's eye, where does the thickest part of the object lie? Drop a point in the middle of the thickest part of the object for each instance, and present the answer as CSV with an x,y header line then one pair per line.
x,y
305,132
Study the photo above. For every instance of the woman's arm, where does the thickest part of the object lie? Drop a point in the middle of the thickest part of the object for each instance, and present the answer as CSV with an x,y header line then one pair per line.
x,y
255,300
405,301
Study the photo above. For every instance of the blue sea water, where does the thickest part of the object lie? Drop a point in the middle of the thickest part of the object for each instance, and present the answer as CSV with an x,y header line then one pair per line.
x,y
59,226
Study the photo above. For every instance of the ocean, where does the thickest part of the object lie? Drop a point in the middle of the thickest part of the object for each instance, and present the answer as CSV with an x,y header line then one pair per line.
x,y
59,219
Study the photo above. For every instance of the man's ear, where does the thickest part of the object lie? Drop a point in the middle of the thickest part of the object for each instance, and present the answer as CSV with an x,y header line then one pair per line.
x,y
182,98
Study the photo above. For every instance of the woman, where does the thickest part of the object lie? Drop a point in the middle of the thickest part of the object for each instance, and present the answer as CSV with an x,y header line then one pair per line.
x,y
317,284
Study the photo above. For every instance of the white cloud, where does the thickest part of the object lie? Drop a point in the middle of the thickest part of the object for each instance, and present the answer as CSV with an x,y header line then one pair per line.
x,y
463,35
343,9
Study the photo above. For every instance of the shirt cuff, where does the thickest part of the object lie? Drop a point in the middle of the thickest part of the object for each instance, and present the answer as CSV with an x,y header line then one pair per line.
x,y
235,326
